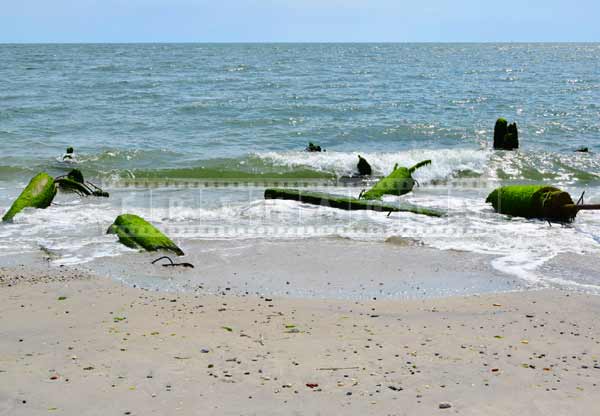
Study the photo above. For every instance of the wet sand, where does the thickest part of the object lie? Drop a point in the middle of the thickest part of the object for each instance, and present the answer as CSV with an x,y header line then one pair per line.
x,y
332,268
76,344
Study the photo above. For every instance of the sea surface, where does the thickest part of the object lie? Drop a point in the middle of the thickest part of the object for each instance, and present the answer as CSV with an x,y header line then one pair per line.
x,y
189,135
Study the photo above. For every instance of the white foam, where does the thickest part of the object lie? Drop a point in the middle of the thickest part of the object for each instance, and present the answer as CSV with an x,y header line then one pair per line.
x,y
445,162
75,230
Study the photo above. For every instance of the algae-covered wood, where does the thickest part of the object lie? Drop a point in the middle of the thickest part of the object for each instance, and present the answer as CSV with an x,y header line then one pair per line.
x,y
70,185
38,194
346,203
75,182
399,182
534,201
135,232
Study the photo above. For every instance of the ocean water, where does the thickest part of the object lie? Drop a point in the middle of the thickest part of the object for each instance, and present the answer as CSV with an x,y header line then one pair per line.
x,y
158,124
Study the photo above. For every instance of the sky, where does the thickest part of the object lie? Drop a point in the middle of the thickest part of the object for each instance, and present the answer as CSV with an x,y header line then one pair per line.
x,y
299,21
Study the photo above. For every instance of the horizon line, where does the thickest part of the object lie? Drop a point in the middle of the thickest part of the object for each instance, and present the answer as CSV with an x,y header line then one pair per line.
x,y
293,42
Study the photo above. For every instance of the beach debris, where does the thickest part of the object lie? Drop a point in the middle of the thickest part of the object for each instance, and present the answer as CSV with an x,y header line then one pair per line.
x,y
313,148
135,232
364,168
173,264
506,136
346,203
39,193
445,405
399,182
536,201
75,182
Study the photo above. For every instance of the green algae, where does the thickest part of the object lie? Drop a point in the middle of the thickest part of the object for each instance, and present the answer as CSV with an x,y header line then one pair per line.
x,y
135,232
345,203
399,182
533,201
39,193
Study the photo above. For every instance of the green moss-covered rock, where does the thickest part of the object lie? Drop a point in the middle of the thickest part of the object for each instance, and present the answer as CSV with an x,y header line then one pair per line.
x,y
533,201
39,193
135,232
399,182
364,168
346,203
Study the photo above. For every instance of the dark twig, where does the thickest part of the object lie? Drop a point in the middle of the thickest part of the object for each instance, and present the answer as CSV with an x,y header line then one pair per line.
x,y
173,264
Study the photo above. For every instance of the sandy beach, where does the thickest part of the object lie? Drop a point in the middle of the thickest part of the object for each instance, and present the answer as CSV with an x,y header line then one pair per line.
x,y
75,343
378,208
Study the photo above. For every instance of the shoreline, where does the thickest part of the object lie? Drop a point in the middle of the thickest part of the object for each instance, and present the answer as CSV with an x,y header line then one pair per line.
x,y
312,268
71,340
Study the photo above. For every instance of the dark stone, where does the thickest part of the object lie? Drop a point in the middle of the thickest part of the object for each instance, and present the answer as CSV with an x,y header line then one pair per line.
x,y
313,147
364,168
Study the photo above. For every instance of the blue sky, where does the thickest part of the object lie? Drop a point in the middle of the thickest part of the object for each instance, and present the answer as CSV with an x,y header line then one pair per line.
x,y
298,20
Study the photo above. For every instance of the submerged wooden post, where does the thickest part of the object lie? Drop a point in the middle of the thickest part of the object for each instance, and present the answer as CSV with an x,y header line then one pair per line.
x,y
506,136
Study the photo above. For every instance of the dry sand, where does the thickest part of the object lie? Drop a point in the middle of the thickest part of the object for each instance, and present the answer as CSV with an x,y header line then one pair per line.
x,y
72,344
